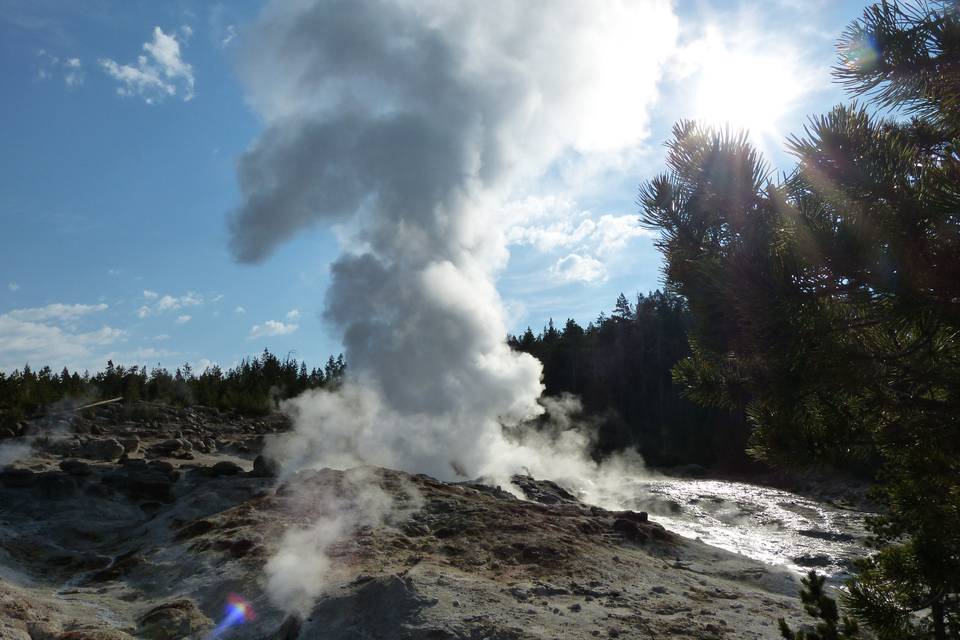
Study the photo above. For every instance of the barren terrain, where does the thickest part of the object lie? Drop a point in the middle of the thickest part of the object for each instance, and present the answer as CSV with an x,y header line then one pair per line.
x,y
141,521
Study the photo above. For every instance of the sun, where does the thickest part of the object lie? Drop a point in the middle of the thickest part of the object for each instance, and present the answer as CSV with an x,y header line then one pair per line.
x,y
745,89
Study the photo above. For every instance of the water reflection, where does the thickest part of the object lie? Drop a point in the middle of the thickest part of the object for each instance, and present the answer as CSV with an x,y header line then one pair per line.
x,y
770,525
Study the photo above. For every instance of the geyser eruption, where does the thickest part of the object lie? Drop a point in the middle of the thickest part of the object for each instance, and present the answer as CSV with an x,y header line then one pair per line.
x,y
409,124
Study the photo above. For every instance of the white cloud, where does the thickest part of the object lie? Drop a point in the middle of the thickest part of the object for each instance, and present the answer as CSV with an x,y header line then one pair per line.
x,y
44,336
240,311
217,298
550,223
293,314
577,268
231,33
159,74
74,76
187,31
73,79
56,312
203,364
168,302
611,233
46,58
13,286
184,319
272,328
159,303
161,337
48,65
222,24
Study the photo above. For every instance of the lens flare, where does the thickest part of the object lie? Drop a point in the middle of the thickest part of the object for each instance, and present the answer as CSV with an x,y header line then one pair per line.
x,y
236,612
863,54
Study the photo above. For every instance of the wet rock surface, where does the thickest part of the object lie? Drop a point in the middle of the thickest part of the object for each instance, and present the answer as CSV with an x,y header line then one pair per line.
x,y
140,522
172,620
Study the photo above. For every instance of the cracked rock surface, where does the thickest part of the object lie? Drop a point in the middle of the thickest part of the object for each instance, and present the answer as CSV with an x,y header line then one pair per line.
x,y
140,522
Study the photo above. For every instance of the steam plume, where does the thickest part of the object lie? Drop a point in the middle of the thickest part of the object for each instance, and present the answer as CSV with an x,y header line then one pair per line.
x,y
297,573
410,123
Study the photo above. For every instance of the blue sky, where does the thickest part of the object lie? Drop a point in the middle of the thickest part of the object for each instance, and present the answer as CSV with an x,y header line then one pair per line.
x,y
117,176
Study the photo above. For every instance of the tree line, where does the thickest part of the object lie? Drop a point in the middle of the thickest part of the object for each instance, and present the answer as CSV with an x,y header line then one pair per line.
x,y
252,387
825,303
620,365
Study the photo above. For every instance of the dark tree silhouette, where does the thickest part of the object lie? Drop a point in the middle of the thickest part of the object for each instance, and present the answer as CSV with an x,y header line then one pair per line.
x,y
827,304
620,367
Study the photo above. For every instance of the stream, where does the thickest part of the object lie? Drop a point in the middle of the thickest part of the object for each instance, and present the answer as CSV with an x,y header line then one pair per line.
x,y
770,525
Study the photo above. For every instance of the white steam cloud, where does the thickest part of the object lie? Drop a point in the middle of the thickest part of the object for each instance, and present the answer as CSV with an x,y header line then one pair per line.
x,y
297,573
413,122
11,452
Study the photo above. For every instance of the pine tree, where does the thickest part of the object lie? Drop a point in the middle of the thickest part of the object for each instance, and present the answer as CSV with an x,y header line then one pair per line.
x,y
550,333
620,369
528,340
827,305
819,605
622,310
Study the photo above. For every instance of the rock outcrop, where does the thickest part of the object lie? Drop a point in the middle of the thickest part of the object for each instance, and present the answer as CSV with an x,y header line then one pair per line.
x,y
171,511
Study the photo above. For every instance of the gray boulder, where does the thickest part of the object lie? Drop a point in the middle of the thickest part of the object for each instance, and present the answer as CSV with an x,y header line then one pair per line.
x,y
174,620
130,444
107,449
264,467
76,467
226,468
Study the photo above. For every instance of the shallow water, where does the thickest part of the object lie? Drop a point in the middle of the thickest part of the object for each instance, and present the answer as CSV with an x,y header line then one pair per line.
x,y
770,525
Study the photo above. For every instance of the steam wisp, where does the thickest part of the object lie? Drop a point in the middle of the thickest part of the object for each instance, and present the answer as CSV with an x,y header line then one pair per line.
x,y
333,506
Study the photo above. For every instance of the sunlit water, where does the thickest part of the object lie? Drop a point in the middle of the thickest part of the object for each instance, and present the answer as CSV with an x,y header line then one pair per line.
x,y
772,526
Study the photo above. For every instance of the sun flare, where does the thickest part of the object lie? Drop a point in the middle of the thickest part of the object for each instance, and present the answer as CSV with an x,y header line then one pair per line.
x,y
745,88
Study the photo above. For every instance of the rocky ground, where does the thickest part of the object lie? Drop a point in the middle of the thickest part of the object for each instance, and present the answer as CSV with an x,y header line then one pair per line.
x,y
141,520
